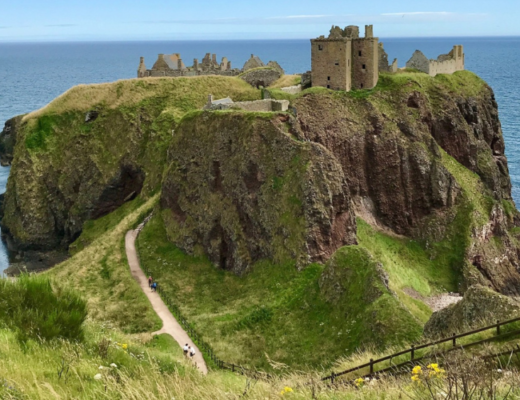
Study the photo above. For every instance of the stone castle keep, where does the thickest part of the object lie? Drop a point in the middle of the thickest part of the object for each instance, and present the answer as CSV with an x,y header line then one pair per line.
x,y
345,61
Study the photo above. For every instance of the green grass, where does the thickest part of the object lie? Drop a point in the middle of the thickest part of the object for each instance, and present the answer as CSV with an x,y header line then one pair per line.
x,y
93,229
100,272
36,309
273,310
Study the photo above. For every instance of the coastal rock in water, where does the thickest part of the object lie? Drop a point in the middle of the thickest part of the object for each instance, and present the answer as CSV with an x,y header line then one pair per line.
x,y
480,306
244,190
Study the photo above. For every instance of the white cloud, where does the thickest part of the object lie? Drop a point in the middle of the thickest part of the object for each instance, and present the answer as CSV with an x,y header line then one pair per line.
x,y
301,16
419,13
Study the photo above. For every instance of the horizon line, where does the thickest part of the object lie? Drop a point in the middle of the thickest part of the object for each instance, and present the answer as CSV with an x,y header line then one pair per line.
x,y
237,40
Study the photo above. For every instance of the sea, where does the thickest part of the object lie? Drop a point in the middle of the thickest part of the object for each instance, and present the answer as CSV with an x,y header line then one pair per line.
x,y
32,74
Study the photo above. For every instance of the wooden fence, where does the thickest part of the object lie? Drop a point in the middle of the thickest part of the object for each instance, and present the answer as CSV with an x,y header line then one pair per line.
x,y
413,349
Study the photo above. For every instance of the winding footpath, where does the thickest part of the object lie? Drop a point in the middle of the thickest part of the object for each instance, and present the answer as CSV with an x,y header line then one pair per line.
x,y
170,324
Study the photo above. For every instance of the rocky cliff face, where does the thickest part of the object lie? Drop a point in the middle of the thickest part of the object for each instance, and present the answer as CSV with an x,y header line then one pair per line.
x,y
8,140
244,189
91,150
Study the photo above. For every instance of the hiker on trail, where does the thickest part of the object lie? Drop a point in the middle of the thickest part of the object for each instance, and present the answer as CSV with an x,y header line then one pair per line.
x,y
150,280
185,349
192,352
154,287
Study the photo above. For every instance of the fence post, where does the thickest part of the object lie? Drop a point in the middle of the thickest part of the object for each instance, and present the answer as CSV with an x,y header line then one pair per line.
x,y
233,367
498,327
332,376
371,366
454,340
412,351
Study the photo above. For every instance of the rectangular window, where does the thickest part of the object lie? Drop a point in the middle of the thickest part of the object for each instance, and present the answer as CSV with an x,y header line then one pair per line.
x,y
320,47
328,78
336,63
328,86
361,86
364,66
360,53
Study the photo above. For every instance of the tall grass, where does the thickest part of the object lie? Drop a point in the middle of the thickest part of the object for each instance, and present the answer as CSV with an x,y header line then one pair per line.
x,y
36,309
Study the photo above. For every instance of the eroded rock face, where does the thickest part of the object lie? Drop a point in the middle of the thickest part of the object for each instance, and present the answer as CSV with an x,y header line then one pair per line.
x,y
51,194
8,140
390,162
244,190
479,307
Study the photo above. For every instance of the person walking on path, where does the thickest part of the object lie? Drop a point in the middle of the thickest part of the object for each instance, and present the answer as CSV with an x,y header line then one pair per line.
x,y
192,354
185,349
150,280
154,287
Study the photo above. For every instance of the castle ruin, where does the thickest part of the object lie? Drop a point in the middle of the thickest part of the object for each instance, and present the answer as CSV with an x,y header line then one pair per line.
x,y
345,61
444,64
173,65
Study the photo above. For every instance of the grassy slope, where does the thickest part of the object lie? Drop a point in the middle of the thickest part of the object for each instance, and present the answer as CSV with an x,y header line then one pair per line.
x,y
274,310
101,273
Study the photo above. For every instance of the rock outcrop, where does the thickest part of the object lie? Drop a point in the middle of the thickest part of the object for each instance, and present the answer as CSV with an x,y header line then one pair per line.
x,y
245,189
8,140
479,307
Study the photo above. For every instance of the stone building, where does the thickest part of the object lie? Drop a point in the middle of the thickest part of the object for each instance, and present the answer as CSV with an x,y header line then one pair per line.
x,y
444,64
344,61
173,65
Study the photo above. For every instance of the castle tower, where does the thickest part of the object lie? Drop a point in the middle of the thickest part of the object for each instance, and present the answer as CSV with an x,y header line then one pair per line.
x,y
141,70
344,61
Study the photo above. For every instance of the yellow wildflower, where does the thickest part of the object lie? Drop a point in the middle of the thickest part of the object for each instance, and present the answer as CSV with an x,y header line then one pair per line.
x,y
124,346
359,382
433,366
417,370
416,378
285,390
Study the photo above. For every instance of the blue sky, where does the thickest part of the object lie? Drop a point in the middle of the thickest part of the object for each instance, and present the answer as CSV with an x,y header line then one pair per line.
x,y
72,20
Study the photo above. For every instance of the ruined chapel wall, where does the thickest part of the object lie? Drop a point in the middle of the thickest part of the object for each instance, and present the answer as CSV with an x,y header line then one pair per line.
x,y
331,63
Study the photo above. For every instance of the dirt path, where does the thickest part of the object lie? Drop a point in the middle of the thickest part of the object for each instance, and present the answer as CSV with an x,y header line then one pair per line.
x,y
170,324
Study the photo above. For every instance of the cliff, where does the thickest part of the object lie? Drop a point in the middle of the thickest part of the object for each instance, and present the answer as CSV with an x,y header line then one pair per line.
x,y
91,150
410,177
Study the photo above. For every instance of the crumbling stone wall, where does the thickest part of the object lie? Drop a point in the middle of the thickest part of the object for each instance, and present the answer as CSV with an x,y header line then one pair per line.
x,y
261,77
444,64
267,105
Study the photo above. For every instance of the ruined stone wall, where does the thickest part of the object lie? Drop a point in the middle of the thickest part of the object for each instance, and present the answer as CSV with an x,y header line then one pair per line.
x,y
267,105
444,64
177,73
331,63
261,77
292,89
365,63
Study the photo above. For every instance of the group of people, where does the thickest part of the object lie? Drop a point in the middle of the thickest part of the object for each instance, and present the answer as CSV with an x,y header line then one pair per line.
x,y
152,284
189,350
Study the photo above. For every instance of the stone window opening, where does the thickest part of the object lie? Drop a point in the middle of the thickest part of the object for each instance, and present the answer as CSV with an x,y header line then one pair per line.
x,y
361,86
320,47
328,78
328,86
364,66
336,63
360,54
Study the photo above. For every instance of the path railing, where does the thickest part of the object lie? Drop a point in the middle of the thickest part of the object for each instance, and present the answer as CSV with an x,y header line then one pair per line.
x,y
412,351
371,365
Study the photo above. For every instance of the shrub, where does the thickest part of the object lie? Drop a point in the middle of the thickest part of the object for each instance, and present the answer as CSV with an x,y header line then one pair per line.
x,y
32,307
